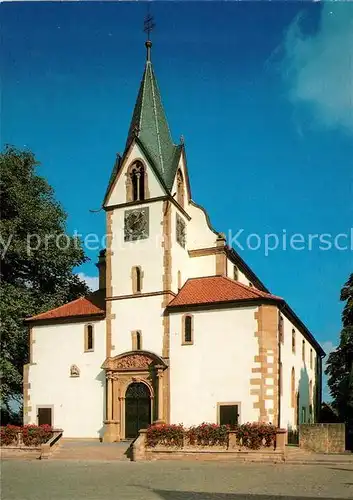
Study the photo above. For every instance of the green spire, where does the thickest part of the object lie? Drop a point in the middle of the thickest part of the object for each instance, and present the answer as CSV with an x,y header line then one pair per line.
x,y
149,124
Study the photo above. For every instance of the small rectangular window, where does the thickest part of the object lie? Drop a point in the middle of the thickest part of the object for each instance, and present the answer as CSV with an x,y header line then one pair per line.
x,y
229,415
44,416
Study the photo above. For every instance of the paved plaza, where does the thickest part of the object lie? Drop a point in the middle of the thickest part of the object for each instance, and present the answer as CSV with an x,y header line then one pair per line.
x,y
76,480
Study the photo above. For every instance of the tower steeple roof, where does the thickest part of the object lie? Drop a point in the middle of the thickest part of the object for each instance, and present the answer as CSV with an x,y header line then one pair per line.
x,y
149,124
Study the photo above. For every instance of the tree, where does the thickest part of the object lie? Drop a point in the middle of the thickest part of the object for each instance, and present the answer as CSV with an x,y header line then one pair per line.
x,y
37,261
340,362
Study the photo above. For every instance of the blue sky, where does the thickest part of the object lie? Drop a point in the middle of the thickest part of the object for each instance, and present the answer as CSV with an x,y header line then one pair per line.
x,y
262,93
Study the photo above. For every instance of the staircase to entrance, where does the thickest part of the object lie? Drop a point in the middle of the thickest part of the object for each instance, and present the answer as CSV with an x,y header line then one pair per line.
x,y
81,449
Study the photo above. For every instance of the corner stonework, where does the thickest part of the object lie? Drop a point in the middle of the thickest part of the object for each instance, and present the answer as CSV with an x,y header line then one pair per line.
x,y
264,381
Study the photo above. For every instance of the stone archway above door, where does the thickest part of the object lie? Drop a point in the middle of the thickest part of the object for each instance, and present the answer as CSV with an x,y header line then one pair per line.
x,y
134,360
121,371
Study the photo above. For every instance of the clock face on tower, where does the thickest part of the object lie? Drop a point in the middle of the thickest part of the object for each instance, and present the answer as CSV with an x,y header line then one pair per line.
x,y
136,224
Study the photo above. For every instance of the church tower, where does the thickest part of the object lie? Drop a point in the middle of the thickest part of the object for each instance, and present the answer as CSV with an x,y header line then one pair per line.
x,y
146,217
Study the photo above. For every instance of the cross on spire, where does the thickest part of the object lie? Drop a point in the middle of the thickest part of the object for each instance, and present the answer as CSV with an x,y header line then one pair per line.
x,y
148,26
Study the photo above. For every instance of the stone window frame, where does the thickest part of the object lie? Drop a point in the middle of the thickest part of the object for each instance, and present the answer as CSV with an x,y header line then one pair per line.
x,y
180,188
136,340
89,328
183,323
134,278
128,183
293,341
228,403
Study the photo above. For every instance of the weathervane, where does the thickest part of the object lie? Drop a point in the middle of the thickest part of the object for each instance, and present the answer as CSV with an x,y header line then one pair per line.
x,y
148,27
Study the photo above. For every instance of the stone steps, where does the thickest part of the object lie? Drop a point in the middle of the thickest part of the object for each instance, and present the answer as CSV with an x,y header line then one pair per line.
x,y
82,450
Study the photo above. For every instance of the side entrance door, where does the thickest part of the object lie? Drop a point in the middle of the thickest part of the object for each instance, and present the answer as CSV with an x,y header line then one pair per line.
x,y
44,416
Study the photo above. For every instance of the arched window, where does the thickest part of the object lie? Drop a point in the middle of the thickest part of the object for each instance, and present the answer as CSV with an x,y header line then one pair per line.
x,y
293,341
303,351
188,330
180,188
138,341
311,358
138,279
136,337
138,181
235,273
292,388
89,339
136,276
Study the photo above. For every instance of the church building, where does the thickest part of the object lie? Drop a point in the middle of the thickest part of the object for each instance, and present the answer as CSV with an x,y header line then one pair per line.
x,y
181,329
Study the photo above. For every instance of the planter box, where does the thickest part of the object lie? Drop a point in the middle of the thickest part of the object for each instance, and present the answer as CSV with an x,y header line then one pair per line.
x,y
273,454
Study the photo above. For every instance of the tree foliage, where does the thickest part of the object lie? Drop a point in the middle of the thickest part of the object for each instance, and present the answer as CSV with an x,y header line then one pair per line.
x,y
36,273
340,362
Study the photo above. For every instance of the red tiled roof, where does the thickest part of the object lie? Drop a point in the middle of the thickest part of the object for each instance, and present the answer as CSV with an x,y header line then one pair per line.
x,y
92,305
213,289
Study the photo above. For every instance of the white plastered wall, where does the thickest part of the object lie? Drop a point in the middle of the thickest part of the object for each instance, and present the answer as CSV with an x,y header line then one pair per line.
x,y
304,373
146,253
241,276
216,368
78,403
144,314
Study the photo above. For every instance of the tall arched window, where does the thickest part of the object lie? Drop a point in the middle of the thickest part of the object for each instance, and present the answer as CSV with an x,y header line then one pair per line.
x,y
89,340
293,341
136,275
138,181
187,329
180,188
179,280
303,351
292,388
138,341
235,273
136,337
138,279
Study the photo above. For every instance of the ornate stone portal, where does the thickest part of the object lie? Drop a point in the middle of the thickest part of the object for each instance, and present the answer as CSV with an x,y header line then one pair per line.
x,y
121,371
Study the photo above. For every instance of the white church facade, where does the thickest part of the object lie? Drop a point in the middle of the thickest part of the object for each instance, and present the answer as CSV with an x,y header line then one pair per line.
x,y
181,330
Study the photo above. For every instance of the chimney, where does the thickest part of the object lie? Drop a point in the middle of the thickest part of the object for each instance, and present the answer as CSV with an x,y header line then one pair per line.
x,y
102,269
